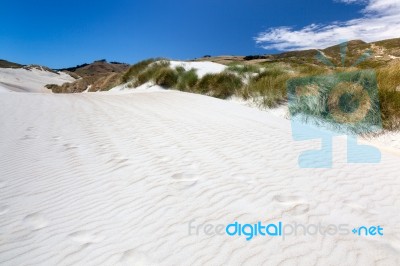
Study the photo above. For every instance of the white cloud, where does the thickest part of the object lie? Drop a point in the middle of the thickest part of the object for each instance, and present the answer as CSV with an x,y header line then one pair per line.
x,y
352,1
380,20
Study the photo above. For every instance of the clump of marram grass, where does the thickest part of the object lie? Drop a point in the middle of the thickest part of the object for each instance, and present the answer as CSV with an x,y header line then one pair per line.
x,y
264,84
389,95
226,85
346,101
311,70
135,69
205,84
243,70
222,85
180,69
268,90
187,80
149,73
166,77
272,71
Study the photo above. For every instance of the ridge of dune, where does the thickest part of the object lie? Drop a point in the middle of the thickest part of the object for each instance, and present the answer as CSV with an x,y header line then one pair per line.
x,y
202,68
112,179
30,80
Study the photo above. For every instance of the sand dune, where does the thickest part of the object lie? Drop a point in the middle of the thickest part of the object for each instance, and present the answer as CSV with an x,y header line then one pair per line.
x,y
103,179
30,80
202,68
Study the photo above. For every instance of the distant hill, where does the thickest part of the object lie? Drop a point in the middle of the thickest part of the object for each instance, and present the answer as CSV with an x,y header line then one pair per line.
x,y
31,78
99,75
103,75
97,67
382,53
7,64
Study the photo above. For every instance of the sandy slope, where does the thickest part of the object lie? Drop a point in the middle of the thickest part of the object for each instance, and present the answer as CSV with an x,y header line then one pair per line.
x,y
101,179
202,68
33,80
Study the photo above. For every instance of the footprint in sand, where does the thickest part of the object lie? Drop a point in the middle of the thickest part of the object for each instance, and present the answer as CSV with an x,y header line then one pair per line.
x,y
135,258
85,237
70,147
164,159
244,178
286,199
359,208
28,137
296,204
2,184
120,160
183,180
184,177
35,221
298,209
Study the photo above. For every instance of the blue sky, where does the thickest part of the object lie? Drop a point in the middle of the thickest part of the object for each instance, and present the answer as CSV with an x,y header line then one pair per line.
x,y
66,33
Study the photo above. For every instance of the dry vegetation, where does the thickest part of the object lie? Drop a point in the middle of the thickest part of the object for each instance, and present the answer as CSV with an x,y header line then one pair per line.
x,y
261,79
389,94
265,84
97,76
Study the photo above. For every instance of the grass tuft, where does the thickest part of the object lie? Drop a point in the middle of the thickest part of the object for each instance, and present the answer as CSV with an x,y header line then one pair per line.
x,y
187,80
389,95
222,85
268,89
149,73
166,77
135,69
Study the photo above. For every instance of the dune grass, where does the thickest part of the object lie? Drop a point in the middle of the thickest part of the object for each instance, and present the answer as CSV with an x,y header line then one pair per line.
x,y
266,84
243,69
166,77
149,73
187,80
346,101
268,89
311,70
222,85
389,95
135,69
180,69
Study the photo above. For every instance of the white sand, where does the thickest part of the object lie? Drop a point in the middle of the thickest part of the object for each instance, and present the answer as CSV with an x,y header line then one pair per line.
x,y
202,68
108,179
34,80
